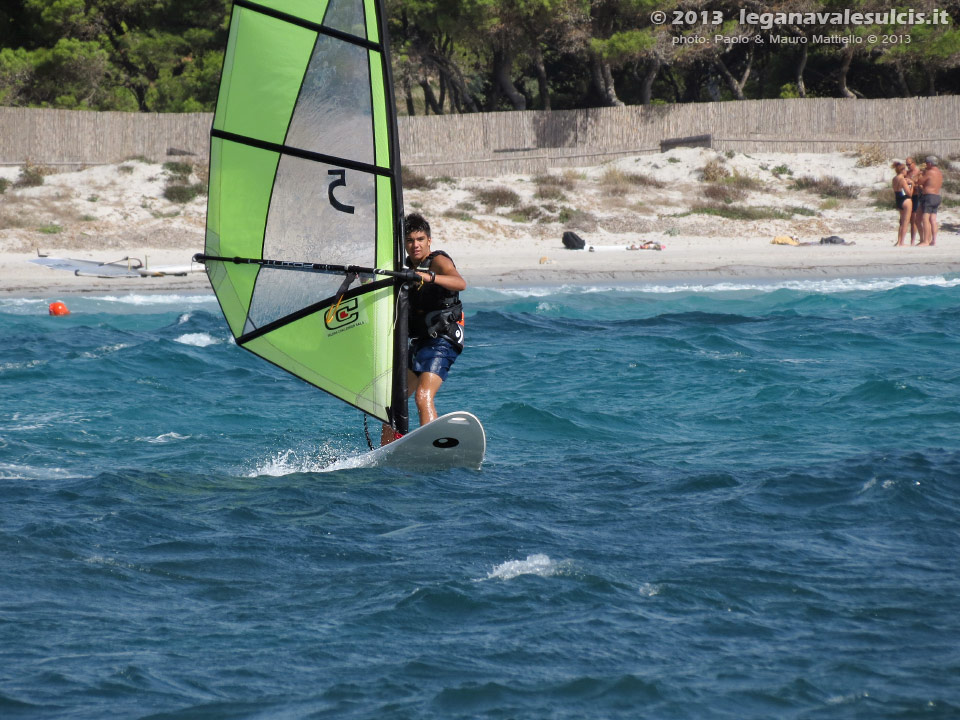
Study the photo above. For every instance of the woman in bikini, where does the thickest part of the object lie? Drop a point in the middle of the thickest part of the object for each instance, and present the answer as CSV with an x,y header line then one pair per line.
x,y
903,195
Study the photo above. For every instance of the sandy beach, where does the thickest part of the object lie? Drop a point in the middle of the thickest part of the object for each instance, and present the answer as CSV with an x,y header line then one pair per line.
x,y
506,231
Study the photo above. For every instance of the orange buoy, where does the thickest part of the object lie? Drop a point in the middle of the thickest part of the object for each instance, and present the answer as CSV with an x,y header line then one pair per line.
x,y
58,308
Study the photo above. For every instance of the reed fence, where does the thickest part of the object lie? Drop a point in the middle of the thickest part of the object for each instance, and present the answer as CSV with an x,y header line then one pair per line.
x,y
526,142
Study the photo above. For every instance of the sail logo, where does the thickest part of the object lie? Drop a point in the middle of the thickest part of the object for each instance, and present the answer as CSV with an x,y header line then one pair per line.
x,y
342,315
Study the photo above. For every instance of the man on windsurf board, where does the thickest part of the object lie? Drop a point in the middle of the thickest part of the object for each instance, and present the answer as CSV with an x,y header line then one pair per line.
x,y
435,319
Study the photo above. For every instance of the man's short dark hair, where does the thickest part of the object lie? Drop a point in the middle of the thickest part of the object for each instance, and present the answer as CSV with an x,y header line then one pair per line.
x,y
415,222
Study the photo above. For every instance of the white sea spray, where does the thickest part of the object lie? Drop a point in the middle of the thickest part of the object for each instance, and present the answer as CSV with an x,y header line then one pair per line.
x,y
197,339
165,438
158,299
537,564
330,456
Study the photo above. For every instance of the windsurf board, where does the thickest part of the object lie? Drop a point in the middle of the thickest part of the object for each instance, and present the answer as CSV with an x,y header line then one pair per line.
x,y
453,440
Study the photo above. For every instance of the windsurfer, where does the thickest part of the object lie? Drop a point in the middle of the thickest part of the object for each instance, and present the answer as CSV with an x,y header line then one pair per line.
x,y
436,319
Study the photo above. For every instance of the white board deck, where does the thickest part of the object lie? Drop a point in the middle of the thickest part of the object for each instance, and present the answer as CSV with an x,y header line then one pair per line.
x,y
453,440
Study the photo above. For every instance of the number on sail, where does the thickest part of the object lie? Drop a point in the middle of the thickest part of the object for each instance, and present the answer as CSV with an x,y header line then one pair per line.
x,y
341,180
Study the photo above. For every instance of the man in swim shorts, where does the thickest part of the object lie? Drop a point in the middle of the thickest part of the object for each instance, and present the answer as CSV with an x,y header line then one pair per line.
x,y
435,320
931,180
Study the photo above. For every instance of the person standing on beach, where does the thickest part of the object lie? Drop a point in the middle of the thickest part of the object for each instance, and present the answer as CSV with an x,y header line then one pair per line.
x,y
435,319
903,195
931,180
913,175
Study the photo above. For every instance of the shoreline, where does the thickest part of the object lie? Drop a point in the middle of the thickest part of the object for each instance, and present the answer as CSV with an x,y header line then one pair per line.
x,y
31,283
506,232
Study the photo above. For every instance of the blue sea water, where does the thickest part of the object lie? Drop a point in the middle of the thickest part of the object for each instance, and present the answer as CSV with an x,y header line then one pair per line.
x,y
701,502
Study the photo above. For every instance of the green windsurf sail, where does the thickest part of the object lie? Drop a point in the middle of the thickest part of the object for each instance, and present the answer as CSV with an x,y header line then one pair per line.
x,y
304,217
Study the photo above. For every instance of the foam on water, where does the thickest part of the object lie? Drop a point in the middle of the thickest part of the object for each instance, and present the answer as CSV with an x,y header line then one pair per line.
x,y
197,339
15,471
826,286
105,350
164,438
159,299
330,456
537,564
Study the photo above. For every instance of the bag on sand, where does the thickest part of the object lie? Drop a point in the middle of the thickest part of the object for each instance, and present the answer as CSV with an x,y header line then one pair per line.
x,y
832,240
572,241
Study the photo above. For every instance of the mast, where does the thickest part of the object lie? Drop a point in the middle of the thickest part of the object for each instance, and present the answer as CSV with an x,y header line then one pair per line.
x,y
399,410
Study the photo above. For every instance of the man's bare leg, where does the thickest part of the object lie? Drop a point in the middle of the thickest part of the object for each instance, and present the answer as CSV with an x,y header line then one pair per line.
x,y
924,230
426,390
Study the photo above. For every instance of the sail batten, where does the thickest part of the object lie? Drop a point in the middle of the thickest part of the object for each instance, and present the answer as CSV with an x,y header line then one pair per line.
x,y
304,154
317,307
309,25
304,175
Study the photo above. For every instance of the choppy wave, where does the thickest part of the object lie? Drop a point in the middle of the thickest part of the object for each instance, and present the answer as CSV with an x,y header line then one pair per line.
x,y
732,503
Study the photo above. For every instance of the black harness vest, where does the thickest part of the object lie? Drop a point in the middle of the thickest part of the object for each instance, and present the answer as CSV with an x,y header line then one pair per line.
x,y
434,310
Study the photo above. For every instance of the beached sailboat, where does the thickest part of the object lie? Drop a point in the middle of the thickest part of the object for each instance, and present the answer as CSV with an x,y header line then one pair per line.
x,y
304,240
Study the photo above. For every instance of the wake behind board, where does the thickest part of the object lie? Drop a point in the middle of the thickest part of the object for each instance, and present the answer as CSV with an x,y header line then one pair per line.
x,y
453,440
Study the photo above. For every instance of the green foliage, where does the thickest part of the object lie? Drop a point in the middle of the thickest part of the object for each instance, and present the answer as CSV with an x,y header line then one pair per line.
x,y
474,55
740,181
497,197
162,55
4,184
577,219
550,192
616,177
828,187
566,181
733,212
524,214
714,171
412,180
789,90
16,72
625,45
178,170
723,193
178,188
457,214
183,193
30,176
461,211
